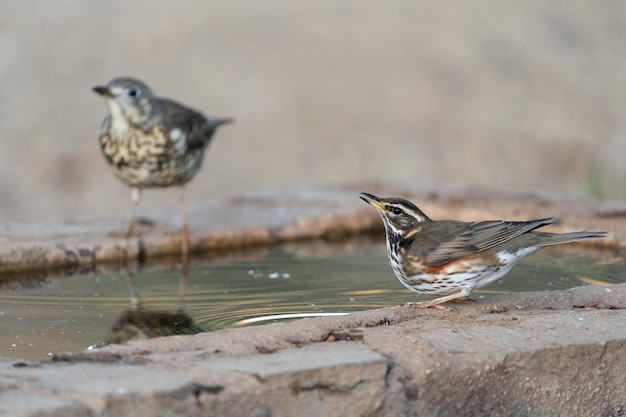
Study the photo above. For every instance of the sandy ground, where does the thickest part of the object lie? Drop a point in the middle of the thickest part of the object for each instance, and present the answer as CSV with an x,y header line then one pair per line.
x,y
527,95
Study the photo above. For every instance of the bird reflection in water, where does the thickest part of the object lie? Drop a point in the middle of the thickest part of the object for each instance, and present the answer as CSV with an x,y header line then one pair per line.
x,y
138,322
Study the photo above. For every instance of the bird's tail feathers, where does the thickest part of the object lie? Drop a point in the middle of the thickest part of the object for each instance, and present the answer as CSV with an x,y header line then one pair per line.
x,y
217,121
570,237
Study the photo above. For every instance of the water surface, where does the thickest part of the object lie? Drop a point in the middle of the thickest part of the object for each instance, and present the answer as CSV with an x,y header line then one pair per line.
x,y
54,314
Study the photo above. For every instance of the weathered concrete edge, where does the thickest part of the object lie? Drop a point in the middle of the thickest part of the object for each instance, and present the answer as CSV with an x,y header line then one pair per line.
x,y
388,362
269,218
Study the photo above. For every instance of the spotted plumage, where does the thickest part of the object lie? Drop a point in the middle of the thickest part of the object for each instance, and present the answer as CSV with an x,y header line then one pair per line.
x,y
450,258
150,141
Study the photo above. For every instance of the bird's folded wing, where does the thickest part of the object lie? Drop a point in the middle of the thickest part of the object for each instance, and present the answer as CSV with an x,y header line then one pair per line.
x,y
477,237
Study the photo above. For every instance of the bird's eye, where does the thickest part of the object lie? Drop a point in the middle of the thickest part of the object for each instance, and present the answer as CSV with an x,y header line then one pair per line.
x,y
396,210
133,92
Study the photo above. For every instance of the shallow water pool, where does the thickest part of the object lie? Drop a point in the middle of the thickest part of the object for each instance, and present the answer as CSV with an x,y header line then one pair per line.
x,y
51,314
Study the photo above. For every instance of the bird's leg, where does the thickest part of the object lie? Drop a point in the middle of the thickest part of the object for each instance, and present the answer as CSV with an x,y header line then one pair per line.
x,y
135,198
184,229
438,301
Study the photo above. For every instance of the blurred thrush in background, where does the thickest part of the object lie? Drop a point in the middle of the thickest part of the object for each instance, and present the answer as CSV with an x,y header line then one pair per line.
x,y
451,258
151,141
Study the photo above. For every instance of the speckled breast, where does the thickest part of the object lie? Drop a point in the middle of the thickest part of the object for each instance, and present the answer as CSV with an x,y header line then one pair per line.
x,y
149,159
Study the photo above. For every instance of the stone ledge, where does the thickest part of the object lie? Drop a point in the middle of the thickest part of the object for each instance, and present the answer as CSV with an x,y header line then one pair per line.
x,y
268,218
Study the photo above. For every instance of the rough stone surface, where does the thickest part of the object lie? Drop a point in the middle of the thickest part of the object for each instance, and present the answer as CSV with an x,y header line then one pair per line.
x,y
529,354
15,402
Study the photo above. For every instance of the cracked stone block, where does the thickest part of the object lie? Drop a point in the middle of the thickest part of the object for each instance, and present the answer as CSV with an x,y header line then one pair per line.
x,y
329,379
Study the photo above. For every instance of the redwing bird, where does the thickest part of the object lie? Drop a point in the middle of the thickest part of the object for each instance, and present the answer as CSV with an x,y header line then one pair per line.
x,y
451,258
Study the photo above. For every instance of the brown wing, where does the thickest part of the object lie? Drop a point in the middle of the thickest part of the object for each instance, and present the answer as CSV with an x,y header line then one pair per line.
x,y
446,241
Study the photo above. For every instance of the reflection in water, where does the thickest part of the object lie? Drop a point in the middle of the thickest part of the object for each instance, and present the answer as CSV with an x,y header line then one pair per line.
x,y
274,317
146,324
139,323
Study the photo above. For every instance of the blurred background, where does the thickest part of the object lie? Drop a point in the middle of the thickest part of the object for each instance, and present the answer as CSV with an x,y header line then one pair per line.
x,y
529,95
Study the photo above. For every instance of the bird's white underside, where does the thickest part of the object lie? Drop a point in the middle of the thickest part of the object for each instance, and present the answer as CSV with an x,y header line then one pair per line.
x,y
460,275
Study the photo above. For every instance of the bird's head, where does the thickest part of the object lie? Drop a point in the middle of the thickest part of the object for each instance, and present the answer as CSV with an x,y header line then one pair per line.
x,y
131,100
401,217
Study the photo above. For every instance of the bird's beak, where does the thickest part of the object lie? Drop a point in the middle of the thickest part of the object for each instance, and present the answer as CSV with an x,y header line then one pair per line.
x,y
373,201
103,91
